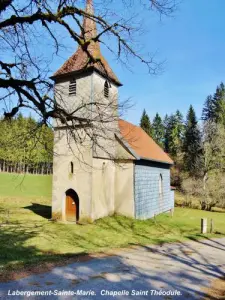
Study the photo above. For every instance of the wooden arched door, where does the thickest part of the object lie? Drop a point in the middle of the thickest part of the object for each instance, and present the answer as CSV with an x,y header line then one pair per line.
x,y
72,206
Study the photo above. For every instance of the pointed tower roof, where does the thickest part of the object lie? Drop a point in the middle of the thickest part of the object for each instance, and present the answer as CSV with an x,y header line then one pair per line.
x,y
80,61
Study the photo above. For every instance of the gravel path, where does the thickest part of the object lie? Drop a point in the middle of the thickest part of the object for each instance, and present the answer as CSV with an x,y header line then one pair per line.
x,y
180,271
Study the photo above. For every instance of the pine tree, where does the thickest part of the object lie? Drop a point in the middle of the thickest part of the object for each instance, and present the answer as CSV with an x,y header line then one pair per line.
x,y
180,124
174,131
145,123
166,123
214,107
176,134
192,144
208,112
219,103
158,130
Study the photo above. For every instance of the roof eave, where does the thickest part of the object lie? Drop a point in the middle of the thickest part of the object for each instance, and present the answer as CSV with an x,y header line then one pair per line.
x,y
59,76
56,76
140,157
156,160
117,82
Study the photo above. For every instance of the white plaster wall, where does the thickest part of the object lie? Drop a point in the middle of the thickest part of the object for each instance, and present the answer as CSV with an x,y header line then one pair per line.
x,y
80,181
103,188
105,131
122,153
94,179
75,102
66,150
124,189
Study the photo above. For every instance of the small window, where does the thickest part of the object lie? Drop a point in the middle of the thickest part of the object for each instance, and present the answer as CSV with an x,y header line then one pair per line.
x,y
106,90
73,87
71,167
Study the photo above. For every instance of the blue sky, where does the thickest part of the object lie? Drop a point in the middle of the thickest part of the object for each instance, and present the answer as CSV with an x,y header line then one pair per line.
x,y
193,44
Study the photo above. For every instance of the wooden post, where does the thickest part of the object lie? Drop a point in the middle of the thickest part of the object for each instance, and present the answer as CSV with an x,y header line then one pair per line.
x,y
7,218
204,226
211,226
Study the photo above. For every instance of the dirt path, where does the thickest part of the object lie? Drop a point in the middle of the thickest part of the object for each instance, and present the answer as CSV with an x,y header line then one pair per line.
x,y
188,270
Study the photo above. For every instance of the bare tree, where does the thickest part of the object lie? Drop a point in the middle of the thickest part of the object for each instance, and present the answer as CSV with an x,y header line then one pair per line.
x,y
208,188
213,164
30,29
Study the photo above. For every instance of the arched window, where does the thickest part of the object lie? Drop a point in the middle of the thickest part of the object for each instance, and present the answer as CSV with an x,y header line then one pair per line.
x,y
160,187
71,168
106,89
73,87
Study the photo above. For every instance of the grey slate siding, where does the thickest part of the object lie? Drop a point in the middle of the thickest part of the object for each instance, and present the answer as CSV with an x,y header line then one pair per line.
x,y
147,198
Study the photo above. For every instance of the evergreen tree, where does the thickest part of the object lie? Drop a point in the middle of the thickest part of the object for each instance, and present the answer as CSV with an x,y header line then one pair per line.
x,y
192,144
208,112
166,123
176,134
174,131
218,98
158,130
214,107
180,124
173,134
219,102
145,123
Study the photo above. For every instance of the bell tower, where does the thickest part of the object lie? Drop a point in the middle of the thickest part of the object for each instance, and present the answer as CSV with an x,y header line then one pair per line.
x,y
87,88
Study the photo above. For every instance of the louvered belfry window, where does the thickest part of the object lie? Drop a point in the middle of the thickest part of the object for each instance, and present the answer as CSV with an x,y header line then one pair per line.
x,y
106,90
73,87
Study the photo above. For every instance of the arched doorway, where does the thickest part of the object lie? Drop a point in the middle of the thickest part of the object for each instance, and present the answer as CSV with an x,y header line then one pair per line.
x,y
72,206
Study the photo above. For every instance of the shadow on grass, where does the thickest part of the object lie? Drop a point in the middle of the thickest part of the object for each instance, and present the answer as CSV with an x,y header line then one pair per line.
x,y
45,211
140,265
15,254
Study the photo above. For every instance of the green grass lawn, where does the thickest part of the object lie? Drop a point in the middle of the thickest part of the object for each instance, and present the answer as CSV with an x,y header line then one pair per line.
x,y
30,238
15,185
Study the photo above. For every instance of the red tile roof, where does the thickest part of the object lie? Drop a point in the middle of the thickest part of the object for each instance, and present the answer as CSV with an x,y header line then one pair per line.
x,y
80,61
142,144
